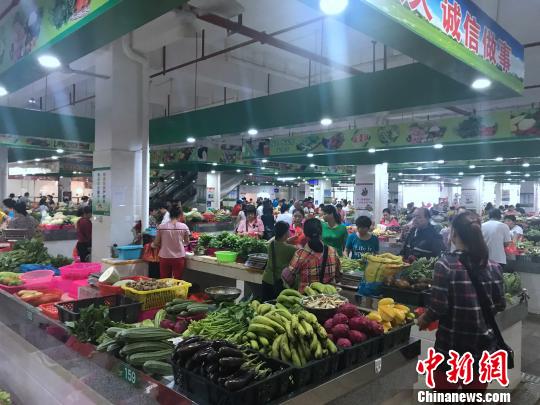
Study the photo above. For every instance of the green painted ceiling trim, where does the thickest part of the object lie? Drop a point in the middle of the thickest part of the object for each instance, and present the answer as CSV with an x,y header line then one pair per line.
x,y
40,124
403,87
110,22
387,30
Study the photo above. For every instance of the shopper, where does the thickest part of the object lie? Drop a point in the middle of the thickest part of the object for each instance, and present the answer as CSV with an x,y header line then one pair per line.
x,y
511,211
497,236
85,201
251,225
171,238
314,262
362,241
487,208
25,199
280,254
457,305
388,220
84,235
520,209
342,214
285,215
334,232
164,210
22,221
516,231
268,220
423,240
10,207
259,207
297,229
43,208
237,208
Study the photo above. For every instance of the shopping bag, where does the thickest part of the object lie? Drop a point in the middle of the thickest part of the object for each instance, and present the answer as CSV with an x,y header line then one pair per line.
x,y
150,254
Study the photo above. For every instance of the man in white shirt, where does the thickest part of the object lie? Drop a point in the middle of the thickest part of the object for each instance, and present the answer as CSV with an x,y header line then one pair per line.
x,y
516,231
285,215
166,216
260,210
497,236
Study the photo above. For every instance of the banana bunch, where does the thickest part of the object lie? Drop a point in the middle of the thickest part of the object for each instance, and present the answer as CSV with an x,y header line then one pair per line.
x,y
289,300
293,338
320,288
390,315
386,258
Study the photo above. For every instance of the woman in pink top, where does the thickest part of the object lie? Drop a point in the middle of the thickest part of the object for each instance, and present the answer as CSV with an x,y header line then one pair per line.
x,y
388,219
170,240
252,225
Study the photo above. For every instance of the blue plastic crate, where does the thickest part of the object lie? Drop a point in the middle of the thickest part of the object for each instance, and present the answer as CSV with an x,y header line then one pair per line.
x,y
130,252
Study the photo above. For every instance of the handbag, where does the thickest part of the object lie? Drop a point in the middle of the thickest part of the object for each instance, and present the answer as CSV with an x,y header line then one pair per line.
x,y
489,318
150,254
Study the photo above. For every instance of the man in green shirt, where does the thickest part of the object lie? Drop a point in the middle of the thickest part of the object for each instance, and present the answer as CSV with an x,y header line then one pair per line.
x,y
334,233
279,256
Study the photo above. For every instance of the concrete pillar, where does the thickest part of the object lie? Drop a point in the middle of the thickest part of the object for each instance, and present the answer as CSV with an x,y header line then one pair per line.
x,y
213,190
322,192
528,197
4,173
371,190
471,193
121,136
64,186
498,195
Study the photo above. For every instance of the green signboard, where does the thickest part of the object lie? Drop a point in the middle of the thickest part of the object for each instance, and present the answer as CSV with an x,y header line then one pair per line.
x,y
27,26
501,125
15,141
463,30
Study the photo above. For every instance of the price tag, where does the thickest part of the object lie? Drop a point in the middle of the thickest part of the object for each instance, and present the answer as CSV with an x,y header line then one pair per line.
x,y
29,315
128,374
378,365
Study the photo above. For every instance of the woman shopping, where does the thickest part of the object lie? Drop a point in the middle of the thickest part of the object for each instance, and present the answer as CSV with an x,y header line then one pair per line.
x,y
467,291
314,262
334,232
297,236
362,241
280,254
252,225
23,221
388,220
170,239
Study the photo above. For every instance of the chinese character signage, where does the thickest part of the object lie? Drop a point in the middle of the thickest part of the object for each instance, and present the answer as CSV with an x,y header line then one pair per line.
x,y
101,191
464,31
16,141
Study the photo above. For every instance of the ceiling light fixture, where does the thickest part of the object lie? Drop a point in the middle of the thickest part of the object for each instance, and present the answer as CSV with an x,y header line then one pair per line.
x,y
251,174
191,140
252,132
263,168
372,150
526,164
265,160
161,165
481,84
438,146
276,173
213,172
460,173
333,7
60,151
509,179
238,170
508,172
527,175
499,159
523,181
440,161
326,122
54,157
472,166
19,161
31,100
49,61
3,91
400,174
312,165
309,155
37,160
214,164
419,168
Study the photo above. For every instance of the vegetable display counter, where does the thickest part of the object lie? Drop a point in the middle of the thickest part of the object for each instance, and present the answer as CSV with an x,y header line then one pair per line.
x,y
41,363
529,272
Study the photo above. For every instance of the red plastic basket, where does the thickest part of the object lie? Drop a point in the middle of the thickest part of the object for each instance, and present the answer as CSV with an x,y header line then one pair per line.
x,y
12,289
50,310
79,271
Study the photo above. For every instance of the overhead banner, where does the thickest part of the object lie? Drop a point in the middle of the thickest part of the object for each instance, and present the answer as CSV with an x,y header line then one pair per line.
x,y
15,141
28,25
462,29
501,125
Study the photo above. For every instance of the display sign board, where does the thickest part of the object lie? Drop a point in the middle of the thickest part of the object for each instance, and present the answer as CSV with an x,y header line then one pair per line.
x,y
364,196
499,125
463,30
101,191
16,141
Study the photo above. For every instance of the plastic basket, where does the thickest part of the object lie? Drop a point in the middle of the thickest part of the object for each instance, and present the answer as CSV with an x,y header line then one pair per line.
x,y
37,278
130,252
48,295
49,310
203,391
121,309
12,289
360,353
159,297
395,338
107,289
226,256
404,296
315,371
79,271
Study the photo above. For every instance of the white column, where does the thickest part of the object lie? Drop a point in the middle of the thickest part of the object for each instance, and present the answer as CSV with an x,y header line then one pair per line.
x,y
471,193
121,133
528,197
371,190
498,195
64,186
4,173
322,192
213,190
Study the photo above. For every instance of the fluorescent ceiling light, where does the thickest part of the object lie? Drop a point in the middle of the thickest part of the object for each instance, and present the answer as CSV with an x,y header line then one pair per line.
x,y
252,132
214,164
499,159
400,174
60,151
276,173
326,122
526,164
191,139
527,175
238,170
460,173
393,178
438,146
251,174
419,168
265,160
333,7
472,166
309,155
37,160
508,172
441,162
3,91
481,84
371,150
312,165
509,179
49,61
19,161
161,165
523,181
54,157
213,172
263,168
